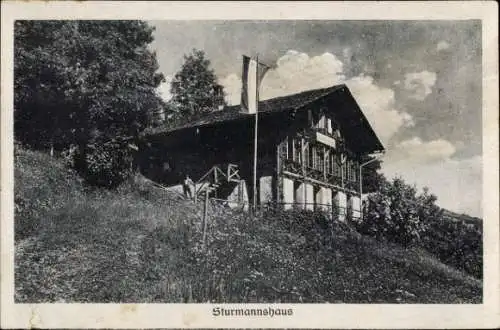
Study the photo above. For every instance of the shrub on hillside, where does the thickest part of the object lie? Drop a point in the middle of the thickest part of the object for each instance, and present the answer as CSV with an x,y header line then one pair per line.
x,y
398,214
105,164
41,185
457,243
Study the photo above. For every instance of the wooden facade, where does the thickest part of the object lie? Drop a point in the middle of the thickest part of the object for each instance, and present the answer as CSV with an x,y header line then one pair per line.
x,y
309,149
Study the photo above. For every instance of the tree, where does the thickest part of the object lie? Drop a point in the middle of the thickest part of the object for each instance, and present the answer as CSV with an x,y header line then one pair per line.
x,y
194,88
398,213
89,84
41,77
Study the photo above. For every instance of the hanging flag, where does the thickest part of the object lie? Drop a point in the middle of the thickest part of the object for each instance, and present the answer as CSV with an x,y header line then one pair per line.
x,y
252,75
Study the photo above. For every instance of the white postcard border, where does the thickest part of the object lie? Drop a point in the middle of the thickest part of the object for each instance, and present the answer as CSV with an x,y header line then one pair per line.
x,y
304,315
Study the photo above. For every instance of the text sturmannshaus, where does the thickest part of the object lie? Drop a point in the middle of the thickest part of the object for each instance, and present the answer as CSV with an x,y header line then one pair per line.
x,y
262,311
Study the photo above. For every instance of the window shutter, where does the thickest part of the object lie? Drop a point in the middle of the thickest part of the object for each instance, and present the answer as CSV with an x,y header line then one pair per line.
x,y
329,126
321,123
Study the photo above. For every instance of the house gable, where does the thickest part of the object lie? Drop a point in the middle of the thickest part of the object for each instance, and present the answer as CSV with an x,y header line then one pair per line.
x,y
336,102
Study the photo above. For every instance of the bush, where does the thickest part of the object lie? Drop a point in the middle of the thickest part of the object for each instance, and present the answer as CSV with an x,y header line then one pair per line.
x,y
457,243
41,184
397,214
105,164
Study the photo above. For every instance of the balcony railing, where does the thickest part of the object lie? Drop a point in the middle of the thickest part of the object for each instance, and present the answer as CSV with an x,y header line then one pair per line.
x,y
317,174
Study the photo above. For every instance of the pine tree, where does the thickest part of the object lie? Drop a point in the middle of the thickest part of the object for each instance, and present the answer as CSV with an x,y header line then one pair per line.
x,y
194,88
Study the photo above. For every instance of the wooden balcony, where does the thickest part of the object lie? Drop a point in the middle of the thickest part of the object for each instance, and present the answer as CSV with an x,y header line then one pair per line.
x,y
330,179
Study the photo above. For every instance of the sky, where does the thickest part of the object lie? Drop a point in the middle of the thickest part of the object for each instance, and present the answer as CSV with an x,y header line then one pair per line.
x,y
419,83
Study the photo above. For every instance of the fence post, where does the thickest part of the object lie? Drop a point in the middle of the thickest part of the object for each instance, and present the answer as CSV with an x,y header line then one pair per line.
x,y
205,213
195,194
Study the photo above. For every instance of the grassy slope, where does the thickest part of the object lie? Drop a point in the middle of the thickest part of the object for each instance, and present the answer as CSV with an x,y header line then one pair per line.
x,y
139,244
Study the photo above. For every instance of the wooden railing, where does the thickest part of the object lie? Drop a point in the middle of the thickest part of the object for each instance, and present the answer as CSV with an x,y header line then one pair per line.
x,y
215,176
316,174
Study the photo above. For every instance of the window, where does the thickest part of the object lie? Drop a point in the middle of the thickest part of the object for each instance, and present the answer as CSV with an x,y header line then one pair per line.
x,y
336,164
289,151
327,159
344,169
319,158
355,170
329,127
308,156
283,149
297,151
351,170
335,130
321,122
349,176
312,157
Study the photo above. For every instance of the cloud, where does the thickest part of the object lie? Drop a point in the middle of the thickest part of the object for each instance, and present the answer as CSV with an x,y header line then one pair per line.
x,y
442,45
416,151
456,182
378,105
164,88
420,84
296,72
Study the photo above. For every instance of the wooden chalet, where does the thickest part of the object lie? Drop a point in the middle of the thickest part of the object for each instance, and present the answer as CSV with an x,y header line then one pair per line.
x,y
310,146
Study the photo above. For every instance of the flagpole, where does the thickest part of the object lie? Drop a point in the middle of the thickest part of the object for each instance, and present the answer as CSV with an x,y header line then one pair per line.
x,y
256,134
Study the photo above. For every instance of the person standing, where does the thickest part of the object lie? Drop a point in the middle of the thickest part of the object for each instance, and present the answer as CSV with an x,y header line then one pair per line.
x,y
188,186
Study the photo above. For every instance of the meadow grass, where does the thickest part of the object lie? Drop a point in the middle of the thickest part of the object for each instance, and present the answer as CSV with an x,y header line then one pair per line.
x,y
141,244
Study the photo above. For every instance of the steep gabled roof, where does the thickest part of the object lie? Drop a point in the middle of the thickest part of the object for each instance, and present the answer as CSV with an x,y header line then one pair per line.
x,y
354,120
278,104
